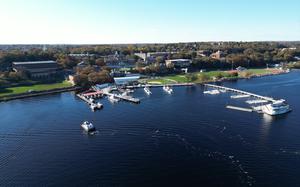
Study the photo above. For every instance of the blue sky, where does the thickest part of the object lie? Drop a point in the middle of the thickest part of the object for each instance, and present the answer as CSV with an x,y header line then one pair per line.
x,y
147,21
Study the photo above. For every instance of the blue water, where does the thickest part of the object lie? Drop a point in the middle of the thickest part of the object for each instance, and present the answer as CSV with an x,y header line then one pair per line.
x,y
184,139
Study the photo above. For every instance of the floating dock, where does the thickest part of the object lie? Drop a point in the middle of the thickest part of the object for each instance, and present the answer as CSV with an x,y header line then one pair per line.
x,y
239,108
250,102
90,102
239,96
123,97
269,99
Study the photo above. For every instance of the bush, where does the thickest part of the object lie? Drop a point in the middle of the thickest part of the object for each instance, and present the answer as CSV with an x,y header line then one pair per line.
x,y
203,77
192,77
246,74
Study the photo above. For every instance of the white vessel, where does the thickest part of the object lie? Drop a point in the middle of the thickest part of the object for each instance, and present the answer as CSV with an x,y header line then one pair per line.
x,y
147,90
168,89
113,99
276,108
129,90
88,127
95,106
212,92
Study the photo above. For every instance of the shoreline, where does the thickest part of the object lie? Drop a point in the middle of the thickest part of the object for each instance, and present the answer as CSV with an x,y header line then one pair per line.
x,y
74,88
38,93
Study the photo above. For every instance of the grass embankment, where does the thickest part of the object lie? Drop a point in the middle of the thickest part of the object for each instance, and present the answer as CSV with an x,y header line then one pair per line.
x,y
210,76
37,87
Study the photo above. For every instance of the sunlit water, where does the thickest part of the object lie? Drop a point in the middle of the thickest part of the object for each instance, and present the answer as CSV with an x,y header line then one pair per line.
x,y
183,139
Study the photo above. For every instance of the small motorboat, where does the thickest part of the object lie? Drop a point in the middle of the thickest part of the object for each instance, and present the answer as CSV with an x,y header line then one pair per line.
x,y
212,92
95,106
147,90
88,127
113,99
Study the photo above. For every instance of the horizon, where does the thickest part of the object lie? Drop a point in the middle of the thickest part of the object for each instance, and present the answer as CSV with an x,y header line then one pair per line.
x,y
119,22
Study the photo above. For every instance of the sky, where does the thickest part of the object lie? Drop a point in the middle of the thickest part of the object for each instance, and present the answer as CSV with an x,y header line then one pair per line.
x,y
147,21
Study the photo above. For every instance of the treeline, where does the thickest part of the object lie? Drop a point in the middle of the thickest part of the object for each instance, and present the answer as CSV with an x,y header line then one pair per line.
x,y
248,54
89,75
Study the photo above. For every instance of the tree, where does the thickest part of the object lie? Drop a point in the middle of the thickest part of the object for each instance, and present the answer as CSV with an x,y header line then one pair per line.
x,y
100,62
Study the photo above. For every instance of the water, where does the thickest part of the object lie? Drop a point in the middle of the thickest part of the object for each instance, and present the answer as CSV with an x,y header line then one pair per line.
x,y
184,139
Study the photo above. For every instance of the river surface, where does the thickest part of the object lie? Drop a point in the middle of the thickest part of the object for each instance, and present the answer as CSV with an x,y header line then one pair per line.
x,y
183,139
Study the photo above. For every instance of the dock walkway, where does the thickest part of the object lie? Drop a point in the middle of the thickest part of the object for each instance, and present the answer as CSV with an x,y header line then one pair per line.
x,y
240,92
159,85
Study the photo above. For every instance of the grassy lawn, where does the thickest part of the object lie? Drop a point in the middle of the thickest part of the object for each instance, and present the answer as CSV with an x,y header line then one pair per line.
x,y
259,71
208,76
38,87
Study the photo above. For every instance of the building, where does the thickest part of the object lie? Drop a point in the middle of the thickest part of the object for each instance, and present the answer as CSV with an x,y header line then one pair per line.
x,y
151,56
37,69
202,53
80,55
126,80
179,63
240,68
217,55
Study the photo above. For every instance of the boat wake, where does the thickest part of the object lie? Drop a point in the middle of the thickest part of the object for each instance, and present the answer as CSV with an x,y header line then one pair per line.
x,y
245,178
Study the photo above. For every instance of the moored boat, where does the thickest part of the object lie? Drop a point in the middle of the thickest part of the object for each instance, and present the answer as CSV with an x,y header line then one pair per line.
x,y
168,89
147,90
276,108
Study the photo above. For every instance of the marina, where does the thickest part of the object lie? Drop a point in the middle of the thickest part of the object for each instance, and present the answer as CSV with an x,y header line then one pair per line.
x,y
268,105
98,91
240,92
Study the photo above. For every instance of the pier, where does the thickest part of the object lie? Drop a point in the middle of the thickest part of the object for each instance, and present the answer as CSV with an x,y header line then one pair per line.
x,y
239,108
90,102
95,94
159,85
269,99
123,97
118,96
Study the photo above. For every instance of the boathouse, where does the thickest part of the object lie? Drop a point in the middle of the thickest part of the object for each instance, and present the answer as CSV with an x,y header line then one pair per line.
x,y
37,69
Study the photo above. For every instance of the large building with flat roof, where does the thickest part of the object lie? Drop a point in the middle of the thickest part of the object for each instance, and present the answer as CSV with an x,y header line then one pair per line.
x,y
37,69
178,63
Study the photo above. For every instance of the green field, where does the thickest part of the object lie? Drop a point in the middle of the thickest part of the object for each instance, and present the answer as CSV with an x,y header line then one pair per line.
x,y
37,87
205,76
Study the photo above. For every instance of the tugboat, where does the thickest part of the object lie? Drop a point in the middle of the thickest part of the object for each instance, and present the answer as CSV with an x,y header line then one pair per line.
x,y
147,90
88,127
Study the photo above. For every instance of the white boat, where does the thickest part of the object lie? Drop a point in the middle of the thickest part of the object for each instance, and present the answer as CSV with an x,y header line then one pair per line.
x,y
87,126
168,89
95,106
129,90
276,108
147,90
113,99
212,92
